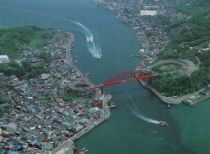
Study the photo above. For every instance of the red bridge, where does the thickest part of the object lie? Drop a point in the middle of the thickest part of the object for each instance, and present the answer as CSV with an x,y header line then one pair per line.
x,y
82,88
124,77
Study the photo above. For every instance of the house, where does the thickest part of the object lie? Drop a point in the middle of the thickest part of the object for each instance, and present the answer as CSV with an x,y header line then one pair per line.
x,y
4,59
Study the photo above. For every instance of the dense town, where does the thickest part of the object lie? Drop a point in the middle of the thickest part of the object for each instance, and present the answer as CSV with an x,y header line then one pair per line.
x,y
47,112
42,114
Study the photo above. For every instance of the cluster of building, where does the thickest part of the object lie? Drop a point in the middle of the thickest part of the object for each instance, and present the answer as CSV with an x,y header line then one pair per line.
x,y
141,15
197,96
37,119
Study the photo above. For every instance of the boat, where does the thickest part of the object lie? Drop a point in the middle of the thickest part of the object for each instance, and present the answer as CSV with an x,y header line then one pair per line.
x,y
98,57
89,39
84,150
163,123
112,104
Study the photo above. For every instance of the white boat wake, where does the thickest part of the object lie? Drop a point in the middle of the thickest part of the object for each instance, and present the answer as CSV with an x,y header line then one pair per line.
x,y
147,119
93,45
138,114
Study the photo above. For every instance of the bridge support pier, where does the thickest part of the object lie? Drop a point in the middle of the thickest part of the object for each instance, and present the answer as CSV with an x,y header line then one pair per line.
x,y
102,90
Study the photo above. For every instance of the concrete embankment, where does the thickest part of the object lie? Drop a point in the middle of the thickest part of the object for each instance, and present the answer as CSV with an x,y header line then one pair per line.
x,y
68,144
107,98
167,100
190,99
104,117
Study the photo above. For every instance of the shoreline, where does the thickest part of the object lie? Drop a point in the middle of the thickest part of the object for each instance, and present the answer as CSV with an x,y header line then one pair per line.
x,y
53,116
141,37
170,101
106,114
149,49
166,100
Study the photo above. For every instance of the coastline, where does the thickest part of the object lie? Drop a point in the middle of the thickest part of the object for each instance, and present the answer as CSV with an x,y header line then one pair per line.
x,y
149,48
145,45
51,120
106,113
174,100
166,100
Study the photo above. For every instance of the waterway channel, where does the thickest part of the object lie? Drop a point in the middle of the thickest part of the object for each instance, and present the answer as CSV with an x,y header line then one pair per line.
x,y
132,128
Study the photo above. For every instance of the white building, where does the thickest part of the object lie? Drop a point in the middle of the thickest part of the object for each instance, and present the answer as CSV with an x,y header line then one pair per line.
x,y
4,59
148,12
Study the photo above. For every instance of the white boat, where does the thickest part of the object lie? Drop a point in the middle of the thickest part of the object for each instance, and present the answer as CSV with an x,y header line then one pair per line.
x,y
89,39
85,150
98,57
163,123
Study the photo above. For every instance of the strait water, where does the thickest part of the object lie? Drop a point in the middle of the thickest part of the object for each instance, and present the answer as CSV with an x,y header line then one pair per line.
x,y
132,128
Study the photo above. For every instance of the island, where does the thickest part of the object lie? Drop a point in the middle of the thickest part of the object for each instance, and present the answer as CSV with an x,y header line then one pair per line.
x,y
46,102
175,44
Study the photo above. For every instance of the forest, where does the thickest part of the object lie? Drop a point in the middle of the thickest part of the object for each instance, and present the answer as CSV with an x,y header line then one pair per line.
x,y
14,39
189,39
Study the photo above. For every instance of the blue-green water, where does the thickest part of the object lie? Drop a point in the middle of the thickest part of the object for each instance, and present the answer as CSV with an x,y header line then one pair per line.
x,y
124,132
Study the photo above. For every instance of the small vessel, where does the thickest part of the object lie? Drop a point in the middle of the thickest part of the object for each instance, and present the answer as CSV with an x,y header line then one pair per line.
x,y
163,123
85,150
98,57
89,39
112,104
